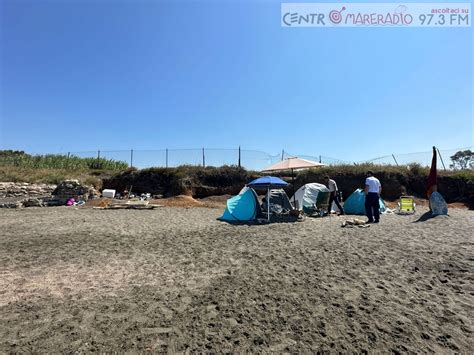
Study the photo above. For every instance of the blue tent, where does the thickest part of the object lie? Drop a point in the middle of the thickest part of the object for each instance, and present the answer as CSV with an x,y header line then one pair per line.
x,y
355,203
243,207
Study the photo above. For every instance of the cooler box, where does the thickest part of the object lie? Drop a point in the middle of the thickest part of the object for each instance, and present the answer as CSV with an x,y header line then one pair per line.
x,y
108,193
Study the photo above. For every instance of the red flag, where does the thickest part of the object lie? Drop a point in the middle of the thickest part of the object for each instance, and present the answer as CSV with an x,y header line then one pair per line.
x,y
432,178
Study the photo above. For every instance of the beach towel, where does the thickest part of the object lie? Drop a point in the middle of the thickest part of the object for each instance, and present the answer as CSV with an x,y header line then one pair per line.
x,y
354,222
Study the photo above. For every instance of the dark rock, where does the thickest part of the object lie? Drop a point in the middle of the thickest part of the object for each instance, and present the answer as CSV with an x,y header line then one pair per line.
x,y
74,189
16,204
32,202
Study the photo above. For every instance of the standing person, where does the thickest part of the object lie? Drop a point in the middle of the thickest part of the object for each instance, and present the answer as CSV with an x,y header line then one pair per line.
x,y
333,195
372,196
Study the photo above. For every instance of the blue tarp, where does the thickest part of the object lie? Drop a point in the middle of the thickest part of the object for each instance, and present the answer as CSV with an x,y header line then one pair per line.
x,y
355,203
243,207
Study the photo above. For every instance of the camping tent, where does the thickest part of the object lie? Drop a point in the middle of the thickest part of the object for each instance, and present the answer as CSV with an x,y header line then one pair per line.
x,y
243,207
355,203
279,201
267,182
309,195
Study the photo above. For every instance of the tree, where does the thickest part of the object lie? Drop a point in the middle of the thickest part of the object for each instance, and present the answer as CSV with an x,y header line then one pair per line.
x,y
464,159
11,153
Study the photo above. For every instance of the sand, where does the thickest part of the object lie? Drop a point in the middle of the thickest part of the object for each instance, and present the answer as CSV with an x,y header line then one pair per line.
x,y
176,279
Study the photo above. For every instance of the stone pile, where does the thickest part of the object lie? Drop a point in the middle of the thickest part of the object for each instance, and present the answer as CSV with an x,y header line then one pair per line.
x,y
18,195
11,204
14,189
73,189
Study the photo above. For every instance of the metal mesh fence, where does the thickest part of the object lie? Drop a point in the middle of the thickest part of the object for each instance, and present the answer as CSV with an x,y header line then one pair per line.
x,y
249,159
422,158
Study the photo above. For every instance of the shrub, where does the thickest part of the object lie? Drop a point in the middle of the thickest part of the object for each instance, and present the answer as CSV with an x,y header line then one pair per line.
x,y
57,161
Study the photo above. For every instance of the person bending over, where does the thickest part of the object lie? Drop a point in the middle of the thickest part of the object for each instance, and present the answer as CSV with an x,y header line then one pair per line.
x,y
333,195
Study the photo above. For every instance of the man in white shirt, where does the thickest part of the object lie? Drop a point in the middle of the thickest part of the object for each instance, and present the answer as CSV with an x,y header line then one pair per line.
x,y
372,195
333,195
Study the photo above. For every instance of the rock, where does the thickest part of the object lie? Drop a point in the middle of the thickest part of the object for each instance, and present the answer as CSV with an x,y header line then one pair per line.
x,y
17,195
32,202
51,201
15,204
74,189
438,204
12,189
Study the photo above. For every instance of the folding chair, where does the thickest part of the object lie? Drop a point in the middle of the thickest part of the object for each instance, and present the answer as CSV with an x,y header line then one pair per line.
x,y
406,205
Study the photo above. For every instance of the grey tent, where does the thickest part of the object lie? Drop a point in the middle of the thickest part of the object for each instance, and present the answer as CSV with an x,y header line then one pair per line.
x,y
279,201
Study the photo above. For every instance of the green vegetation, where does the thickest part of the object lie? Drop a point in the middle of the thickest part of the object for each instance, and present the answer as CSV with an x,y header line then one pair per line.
x,y
454,185
52,176
186,179
20,159
464,159
202,182
402,172
465,175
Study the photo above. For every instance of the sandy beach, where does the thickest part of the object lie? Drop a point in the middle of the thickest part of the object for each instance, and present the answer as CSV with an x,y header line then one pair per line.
x,y
176,279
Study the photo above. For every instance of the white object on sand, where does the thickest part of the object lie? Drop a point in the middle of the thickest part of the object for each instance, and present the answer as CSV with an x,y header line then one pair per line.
x,y
109,193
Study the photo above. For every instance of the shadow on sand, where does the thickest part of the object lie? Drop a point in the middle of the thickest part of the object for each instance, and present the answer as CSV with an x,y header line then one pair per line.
x,y
263,221
426,216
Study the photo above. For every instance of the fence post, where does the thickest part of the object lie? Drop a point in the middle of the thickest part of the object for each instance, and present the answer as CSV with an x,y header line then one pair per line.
x,y
167,158
441,158
98,159
131,158
239,157
282,154
203,159
320,159
393,155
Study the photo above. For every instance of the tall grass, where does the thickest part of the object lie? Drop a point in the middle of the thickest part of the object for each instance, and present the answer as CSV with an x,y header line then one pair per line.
x,y
20,159
53,176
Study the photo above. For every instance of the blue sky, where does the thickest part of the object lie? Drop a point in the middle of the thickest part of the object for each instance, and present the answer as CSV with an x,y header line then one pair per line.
x,y
86,75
